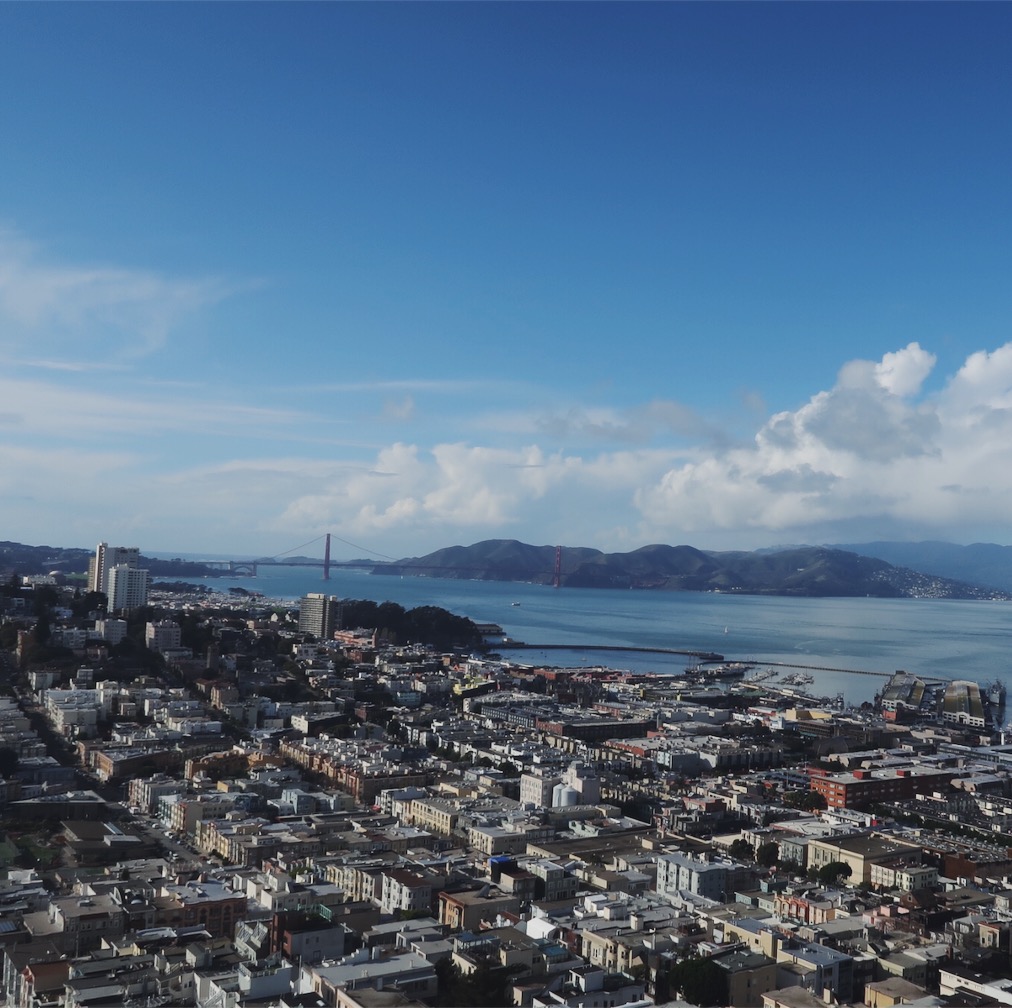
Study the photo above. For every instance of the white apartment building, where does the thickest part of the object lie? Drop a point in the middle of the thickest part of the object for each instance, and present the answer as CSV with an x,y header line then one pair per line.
x,y
127,587
163,636
111,630
537,785
319,615
73,713
106,557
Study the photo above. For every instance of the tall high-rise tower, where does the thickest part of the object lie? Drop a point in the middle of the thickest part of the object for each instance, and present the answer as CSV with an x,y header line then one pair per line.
x,y
128,587
106,557
319,615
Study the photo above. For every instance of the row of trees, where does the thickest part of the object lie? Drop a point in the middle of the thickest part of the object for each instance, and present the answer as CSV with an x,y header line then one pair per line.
x,y
767,855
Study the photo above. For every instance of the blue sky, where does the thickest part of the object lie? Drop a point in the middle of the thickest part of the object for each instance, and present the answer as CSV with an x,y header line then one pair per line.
x,y
423,274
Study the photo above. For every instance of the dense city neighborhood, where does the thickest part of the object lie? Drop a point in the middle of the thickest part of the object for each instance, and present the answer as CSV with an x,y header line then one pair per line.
x,y
214,800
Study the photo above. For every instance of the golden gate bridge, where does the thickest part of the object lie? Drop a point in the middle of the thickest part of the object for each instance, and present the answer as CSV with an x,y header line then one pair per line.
x,y
248,568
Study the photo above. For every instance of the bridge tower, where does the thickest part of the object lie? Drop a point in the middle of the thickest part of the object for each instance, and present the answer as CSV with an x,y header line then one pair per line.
x,y
557,577
326,559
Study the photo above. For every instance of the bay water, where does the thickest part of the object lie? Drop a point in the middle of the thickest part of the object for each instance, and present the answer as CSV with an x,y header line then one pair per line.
x,y
929,637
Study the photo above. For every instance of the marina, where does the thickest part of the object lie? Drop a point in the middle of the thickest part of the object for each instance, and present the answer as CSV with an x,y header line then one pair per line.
x,y
850,645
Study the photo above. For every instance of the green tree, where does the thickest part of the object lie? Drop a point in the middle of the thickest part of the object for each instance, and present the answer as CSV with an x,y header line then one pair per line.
x,y
44,598
195,633
741,850
830,874
805,801
700,981
8,762
768,854
92,601
42,630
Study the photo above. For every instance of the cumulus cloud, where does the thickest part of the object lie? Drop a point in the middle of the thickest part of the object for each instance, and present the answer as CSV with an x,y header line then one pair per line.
x,y
451,484
873,451
902,373
869,448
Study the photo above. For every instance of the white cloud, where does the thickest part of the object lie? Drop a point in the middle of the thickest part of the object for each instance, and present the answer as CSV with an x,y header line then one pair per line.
x,y
982,385
903,372
874,452
459,490
402,409
632,426
866,450
119,314
49,410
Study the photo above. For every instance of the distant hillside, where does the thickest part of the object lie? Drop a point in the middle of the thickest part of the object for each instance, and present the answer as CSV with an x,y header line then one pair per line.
x,y
22,559
802,571
982,563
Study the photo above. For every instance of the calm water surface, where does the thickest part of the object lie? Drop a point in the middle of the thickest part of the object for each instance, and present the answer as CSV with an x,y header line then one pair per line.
x,y
928,637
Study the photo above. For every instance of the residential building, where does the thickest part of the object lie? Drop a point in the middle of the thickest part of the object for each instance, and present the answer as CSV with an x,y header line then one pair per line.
x,y
468,910
163,635
861,788
407,972
111,630
860,853
127,587
319,615
717,880
106,557
749,976
407,891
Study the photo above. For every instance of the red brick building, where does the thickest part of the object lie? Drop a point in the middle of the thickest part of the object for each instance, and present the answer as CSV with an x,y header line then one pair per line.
x,y
858,789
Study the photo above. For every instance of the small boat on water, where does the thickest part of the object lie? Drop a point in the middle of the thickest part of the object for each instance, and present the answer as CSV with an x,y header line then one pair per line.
x,y
722,670
798,679
731,670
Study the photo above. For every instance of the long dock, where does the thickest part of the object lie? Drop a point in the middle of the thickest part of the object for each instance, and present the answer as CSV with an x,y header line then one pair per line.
x,y
706,656
819,668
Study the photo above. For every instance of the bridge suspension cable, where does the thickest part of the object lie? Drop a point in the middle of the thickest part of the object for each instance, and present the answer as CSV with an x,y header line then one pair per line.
x,y
294,548
365,549
319,538
521,572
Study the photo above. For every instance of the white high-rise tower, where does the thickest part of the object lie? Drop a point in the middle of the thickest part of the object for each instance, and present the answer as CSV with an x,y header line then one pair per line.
x,y
128,587
116,572
106,557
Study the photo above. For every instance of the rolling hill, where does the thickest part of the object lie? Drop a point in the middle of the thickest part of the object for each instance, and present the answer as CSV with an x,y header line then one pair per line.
x,y
813,571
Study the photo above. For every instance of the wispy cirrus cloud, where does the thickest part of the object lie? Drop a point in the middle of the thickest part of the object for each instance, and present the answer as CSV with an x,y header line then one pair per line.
x,y
417,385
874,455
872,452
72,413
665,418
71,366
121,314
